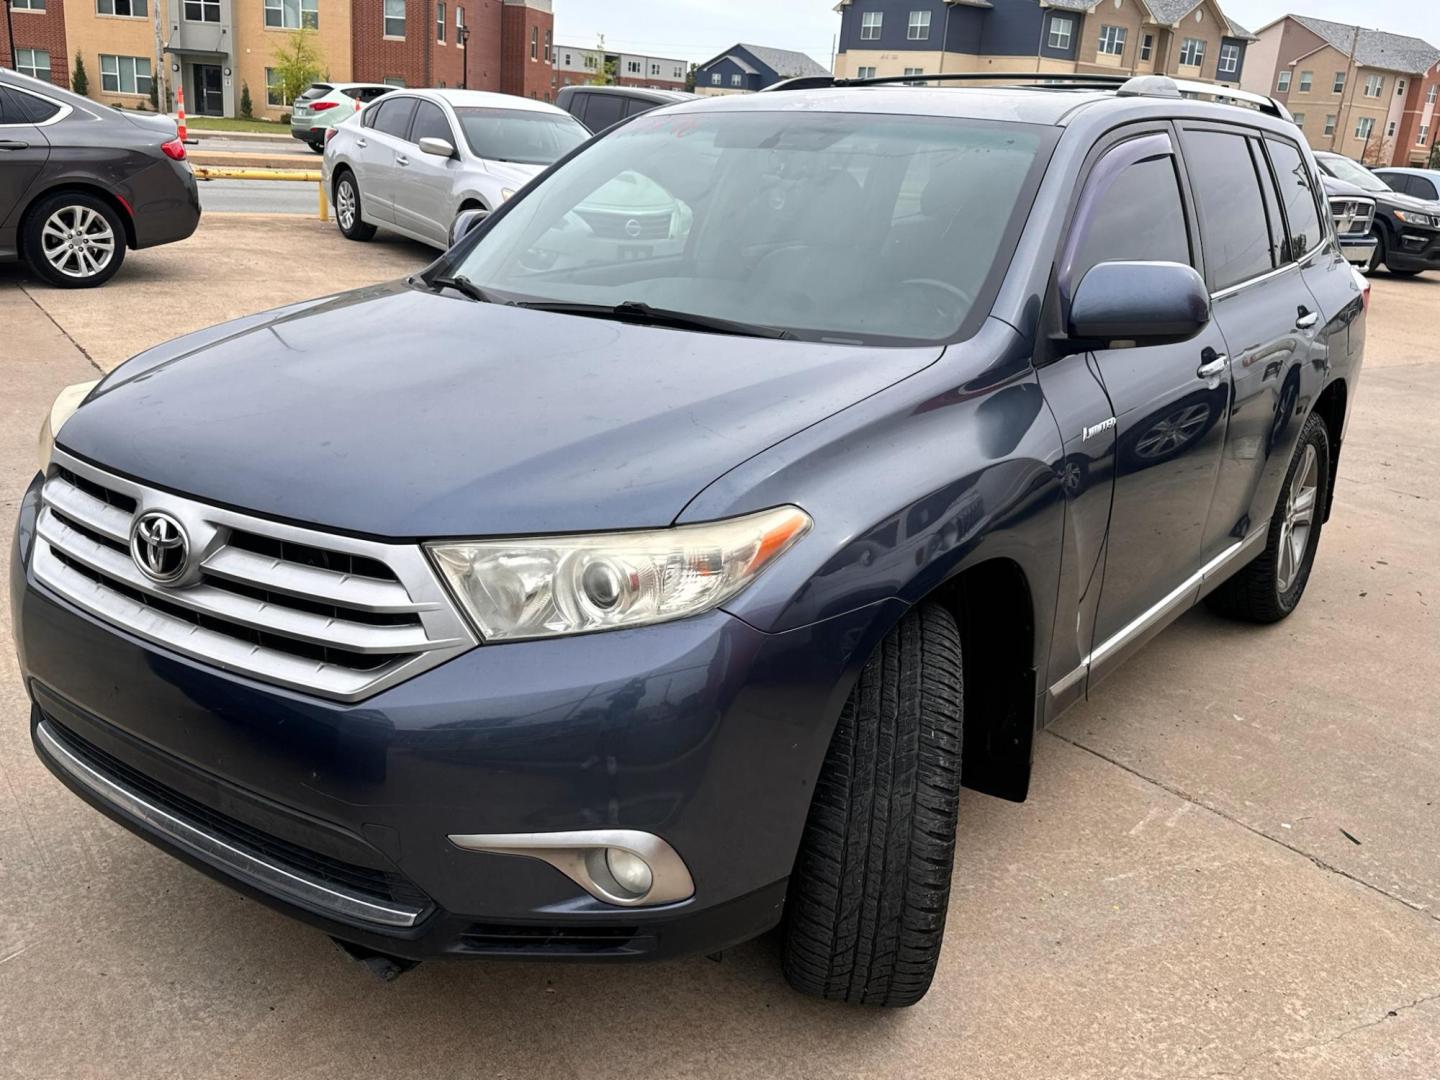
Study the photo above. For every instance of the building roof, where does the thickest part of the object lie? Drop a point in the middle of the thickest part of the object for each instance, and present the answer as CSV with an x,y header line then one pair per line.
x,y
1164,12
1374,48
1238,31
784,62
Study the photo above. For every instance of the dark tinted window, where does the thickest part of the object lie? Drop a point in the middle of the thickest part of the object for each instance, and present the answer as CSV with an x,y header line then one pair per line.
x,y
1140,218
394,118
430,123
1423,187
318,90
605,110
1234,229
1297,193
20,108
636,106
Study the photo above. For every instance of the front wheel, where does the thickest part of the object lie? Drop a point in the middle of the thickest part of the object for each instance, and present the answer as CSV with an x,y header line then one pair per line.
x,y
865,913
347,209
1270,588
74,240
1377,257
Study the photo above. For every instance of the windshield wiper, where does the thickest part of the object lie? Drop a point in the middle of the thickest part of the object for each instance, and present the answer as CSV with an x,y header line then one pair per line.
x,y
462,284
633,311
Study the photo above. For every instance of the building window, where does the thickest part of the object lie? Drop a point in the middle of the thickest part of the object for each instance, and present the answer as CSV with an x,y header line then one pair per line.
x,y
128,9
439,22
1431,94
737,80
679,74
292,14
1192,53
28,5
1330,123
36,64
1282,84
915,71
865,73
1399,87
393,80
1229,59
715,79
534,43
124,74
1390,131
202,11
274,92
870,25
1338,86
1364,127
1307,80
549,46
1373,85
919,26
1299,119
591,61
395,18
459,26
1061,26
632,67
1147,46
1112,40
1423,136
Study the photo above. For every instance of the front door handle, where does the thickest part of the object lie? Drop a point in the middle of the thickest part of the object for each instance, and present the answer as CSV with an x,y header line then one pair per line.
x,y
12,144
402,160
1307,320
1214,364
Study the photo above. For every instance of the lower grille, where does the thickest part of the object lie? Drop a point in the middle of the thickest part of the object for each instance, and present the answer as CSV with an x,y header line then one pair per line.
x,y
497,939
276,866
326,614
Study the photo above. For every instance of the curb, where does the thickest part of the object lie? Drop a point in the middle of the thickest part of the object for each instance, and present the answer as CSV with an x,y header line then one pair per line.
x,y
257,135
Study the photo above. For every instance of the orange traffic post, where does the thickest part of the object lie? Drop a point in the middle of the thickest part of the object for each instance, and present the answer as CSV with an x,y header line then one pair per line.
x,y
180,109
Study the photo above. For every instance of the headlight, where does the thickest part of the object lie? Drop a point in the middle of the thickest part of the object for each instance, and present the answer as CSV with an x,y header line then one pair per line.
x,y
65,405
553,586
1410,217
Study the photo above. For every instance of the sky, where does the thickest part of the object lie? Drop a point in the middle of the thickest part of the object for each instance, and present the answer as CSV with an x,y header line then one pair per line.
x,y
700,29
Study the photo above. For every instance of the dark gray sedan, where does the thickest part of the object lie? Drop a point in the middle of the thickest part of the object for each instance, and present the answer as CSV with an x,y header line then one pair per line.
x,y
81,182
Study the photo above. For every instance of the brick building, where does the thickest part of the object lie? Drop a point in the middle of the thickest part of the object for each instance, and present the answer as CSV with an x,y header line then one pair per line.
x,y
39,48
576,66
527,49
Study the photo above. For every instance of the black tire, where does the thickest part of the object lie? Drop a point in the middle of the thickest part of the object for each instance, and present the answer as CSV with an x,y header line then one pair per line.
x,y
1255,594
317,147
74,269
359,229
1404,273
865,913
1382,247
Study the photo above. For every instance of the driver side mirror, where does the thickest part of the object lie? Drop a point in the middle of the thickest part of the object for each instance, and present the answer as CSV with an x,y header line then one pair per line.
x,y
1139,303
465,223
437,147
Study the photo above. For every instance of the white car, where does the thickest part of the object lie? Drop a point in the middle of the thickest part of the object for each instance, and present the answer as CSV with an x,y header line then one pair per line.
x,y
413,160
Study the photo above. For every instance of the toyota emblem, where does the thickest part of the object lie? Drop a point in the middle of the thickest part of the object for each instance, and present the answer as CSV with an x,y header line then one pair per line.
x,y
160,548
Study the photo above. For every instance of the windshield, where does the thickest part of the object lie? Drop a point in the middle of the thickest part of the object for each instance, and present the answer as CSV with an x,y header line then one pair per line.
x,y
522,136
833,226
317,90
1347,170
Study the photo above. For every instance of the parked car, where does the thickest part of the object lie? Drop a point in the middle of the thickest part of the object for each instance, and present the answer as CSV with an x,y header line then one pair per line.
x,y
414,160
601,107
80,183
1406,229
634,605
324,105
1421,183
1353,212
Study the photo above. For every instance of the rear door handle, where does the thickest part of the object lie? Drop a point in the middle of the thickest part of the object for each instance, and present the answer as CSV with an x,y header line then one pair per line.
x,y
1214,366
362,143
1307,320
11,144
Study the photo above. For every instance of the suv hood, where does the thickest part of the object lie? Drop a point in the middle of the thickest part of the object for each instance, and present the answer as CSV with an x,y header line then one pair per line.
x,y
396,412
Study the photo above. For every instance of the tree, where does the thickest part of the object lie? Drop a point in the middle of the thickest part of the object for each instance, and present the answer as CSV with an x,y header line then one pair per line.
x,y
155,94
247,107
1434,162
1379,153
79,81
297,64
690,78
608,67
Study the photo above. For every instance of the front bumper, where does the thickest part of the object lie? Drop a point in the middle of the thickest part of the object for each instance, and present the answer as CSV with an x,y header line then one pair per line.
x,y
1358,250
1414,249
705,732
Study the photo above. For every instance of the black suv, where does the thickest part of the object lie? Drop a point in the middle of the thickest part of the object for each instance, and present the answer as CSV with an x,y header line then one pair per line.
x,y
1406,229
584,597
601,107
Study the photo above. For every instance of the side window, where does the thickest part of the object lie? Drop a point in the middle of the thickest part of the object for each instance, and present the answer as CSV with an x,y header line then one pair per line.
x,y
1423,187
430,123
26,108
1278,242
636,106
1233,226
372,116
394,118
1140,218
605,111
1297,193
579,105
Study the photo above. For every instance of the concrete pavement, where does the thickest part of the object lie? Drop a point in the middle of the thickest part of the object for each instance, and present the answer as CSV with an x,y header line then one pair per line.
x,y
1181,896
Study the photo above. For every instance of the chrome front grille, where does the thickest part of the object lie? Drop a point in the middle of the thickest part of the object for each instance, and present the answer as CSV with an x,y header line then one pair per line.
x,y
313,611
1353,217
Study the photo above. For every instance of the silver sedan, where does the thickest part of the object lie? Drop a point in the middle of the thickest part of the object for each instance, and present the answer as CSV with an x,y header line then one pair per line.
x,y
414,159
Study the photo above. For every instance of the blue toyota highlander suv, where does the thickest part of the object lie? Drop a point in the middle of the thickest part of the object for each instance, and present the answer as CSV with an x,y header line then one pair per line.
x,y
618,593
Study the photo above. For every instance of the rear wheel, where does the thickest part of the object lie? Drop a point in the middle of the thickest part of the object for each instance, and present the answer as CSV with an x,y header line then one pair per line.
x,y
347,208
74,240
866,908
1270,588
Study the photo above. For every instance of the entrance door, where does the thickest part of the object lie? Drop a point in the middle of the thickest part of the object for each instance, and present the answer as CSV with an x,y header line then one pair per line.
x,y
209,90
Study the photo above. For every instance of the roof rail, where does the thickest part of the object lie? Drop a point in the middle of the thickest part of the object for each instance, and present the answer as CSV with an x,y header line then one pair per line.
x,y
1158,86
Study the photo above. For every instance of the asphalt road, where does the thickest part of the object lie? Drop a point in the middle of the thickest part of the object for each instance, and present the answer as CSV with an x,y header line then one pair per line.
x,y
260,196
1229,863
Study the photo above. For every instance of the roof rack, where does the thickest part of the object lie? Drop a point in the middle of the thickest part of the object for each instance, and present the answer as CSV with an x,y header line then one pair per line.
x,y
1156,86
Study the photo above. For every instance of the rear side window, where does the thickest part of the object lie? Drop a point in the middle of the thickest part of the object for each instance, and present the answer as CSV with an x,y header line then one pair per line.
x,y
430,123
1423,187
1297,194
1233,225
18,108
636,106
318,90
1140,218
605,111
394,118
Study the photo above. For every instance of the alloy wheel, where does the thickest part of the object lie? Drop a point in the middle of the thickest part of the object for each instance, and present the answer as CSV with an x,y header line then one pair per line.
x,y
345,204
1299,519
77,241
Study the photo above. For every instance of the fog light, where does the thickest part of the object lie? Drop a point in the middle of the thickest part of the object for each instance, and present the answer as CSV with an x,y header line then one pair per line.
x,y
630,871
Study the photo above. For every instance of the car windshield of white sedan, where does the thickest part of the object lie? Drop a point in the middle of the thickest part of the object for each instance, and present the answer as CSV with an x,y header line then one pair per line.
x,y
830,226
520,136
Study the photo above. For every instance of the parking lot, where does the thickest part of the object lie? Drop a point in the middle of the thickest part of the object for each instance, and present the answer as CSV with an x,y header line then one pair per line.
x,y
1229,863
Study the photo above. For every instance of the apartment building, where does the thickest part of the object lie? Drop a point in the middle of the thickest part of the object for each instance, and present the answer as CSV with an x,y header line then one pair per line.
x,y
1192,39
39,47
746,69
1367,94
579,66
